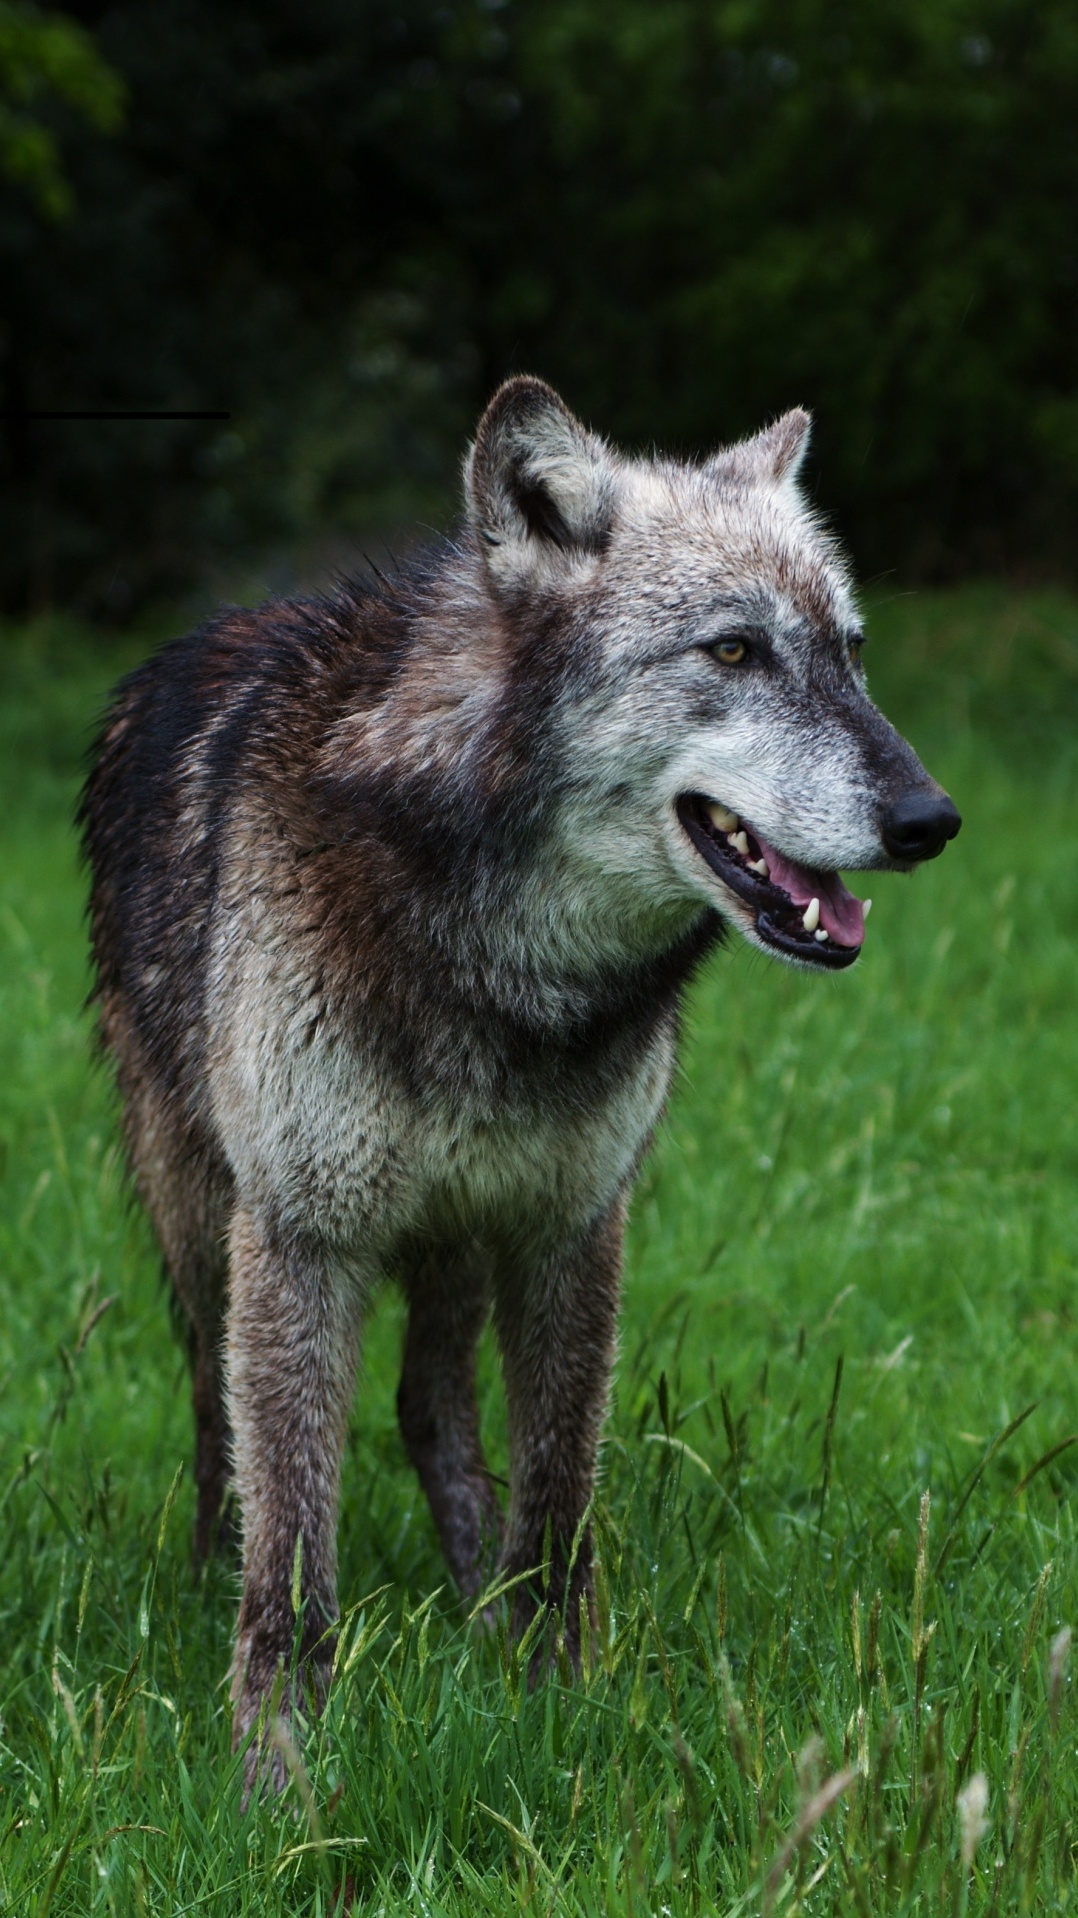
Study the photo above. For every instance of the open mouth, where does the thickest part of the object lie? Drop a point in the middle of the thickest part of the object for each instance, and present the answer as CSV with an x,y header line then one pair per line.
x,y
805,915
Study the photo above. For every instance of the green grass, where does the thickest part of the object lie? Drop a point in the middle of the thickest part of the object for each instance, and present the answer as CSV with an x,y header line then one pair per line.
x,y
827,1545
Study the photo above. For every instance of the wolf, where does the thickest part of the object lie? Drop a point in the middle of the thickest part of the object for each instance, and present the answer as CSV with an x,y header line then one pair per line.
x,y
395,895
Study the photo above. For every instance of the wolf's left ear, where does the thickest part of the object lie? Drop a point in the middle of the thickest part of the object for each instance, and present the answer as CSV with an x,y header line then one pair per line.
x,y
539,487
773,456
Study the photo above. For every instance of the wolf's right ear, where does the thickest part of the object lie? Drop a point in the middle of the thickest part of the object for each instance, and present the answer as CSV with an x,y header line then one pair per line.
x,y
539,487
773,457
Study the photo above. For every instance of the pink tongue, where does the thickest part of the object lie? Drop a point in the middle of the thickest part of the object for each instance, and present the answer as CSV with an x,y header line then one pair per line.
x,y
841,915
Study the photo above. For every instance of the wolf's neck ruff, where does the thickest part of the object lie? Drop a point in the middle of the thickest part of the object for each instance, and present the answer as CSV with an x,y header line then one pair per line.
x,y
507,912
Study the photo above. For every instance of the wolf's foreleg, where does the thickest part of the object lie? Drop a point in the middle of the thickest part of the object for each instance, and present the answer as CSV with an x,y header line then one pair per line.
x,y
448,1302
556,1321
293,1329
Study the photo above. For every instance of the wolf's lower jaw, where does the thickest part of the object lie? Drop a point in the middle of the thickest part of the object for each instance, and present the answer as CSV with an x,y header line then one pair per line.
x,y
740,861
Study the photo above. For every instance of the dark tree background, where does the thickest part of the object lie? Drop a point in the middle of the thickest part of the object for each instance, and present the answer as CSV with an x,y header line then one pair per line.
x,y
344,220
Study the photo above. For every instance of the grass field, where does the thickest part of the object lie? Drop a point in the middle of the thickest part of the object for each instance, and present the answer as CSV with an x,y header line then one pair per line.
x,y
837,1517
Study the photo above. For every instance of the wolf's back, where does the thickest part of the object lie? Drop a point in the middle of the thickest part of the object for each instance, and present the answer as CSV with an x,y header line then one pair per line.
x,y
165,769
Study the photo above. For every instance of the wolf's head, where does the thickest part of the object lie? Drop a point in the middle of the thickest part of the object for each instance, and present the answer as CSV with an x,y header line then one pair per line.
x,y
717,743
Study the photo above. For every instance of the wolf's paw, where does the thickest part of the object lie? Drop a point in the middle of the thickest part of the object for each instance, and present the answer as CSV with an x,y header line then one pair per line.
x,y
272,1713
548,1629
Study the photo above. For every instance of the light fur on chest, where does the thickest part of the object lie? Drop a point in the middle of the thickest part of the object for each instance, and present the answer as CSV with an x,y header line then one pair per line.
x,y
320,1135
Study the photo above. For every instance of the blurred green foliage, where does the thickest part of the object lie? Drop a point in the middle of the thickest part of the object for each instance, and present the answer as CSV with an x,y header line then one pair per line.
x,y
344,224
41,56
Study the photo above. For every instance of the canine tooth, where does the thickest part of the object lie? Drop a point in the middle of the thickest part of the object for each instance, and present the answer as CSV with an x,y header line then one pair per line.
x,y
866,908
741,841
722,817
821,934
760,866
811,916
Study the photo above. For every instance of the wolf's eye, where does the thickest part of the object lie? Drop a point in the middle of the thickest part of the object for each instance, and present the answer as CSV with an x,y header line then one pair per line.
x,y
729,652
854,646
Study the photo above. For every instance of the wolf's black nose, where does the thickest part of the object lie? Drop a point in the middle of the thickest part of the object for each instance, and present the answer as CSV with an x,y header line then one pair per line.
x,y
919,826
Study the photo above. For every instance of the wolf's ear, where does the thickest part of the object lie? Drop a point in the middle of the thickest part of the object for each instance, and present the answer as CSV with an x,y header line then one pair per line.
x,y
773,456
539,487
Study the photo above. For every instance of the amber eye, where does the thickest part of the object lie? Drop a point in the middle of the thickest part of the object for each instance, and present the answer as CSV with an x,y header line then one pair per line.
x,y
729,652
854,645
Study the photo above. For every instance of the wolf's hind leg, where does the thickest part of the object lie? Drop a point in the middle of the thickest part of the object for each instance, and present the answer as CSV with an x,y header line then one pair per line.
x,y
555,1315
192,1232
186,1191
448,1302
214,1530
293,1339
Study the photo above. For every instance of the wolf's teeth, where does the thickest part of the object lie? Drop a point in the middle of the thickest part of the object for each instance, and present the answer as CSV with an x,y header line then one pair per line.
x,y
722,817
866,908
811,917
760,866
821,934
741,841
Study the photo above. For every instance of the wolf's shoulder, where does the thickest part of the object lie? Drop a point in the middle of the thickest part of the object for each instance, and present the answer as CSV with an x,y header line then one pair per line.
x,y
246,674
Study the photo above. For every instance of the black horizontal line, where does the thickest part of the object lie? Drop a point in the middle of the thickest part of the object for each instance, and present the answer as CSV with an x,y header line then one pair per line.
x,y
7,414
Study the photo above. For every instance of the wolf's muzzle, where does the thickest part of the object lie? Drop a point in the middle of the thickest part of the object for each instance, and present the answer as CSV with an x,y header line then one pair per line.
x,y
919,825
